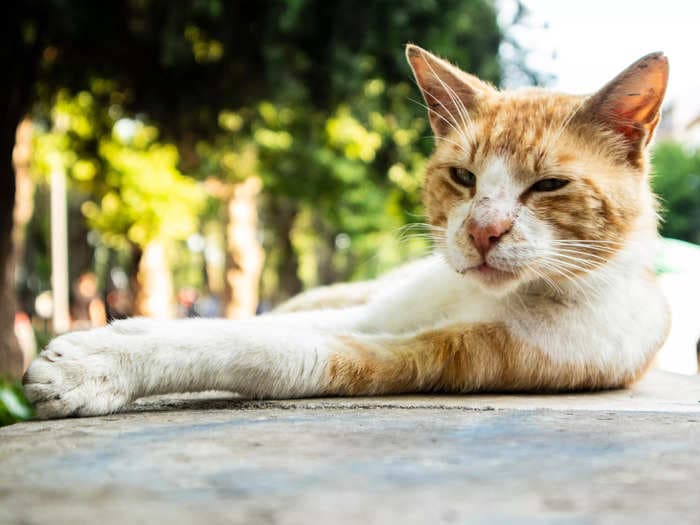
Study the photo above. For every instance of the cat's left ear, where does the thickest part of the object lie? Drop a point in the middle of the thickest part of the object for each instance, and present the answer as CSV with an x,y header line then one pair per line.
x,y
448,91
631,103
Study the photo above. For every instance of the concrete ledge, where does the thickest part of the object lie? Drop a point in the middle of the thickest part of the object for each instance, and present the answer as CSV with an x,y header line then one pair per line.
x,y
613,457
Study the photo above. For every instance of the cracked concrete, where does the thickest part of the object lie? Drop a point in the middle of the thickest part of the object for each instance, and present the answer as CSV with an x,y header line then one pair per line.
x,y
613,457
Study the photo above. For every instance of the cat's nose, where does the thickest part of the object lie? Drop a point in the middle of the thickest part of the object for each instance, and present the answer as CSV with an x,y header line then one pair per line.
x,y
485,236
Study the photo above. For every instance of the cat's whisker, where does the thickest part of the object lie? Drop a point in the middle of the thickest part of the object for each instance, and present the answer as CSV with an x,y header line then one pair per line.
x,y
547,280
587,255
461,110
571,278
596,241
419,225
593,247
453,124
591,281
588,258
452,142
555,260
578,263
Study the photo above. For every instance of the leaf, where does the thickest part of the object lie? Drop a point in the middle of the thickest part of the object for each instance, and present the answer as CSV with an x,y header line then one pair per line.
x,y
13,405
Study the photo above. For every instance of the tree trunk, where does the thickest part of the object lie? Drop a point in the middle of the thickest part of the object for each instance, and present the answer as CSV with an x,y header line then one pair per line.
x,y
283,212
244,254
24,187
154,284
24,209
11,360
19,57
325,250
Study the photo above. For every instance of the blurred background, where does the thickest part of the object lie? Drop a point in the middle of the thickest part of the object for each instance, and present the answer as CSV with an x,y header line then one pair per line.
x,y
213,158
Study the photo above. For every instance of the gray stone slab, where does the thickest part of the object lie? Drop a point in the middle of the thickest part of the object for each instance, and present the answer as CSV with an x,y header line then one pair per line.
x,y
444,459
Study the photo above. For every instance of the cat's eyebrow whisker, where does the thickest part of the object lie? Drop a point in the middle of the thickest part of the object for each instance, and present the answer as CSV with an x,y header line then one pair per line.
x,y
454,125
452,142
461,110
459,105
461,132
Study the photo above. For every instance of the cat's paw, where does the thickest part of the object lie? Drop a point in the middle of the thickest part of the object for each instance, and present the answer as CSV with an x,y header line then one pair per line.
x,y
80,374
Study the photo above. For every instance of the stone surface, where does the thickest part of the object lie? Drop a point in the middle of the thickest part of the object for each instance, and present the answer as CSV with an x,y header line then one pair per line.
x,y
614,457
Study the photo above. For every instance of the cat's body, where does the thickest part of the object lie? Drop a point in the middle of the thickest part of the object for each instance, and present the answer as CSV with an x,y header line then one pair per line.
x,y
545,229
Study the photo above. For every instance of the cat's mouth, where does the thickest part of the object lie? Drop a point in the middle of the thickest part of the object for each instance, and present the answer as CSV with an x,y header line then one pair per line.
x,y
489,273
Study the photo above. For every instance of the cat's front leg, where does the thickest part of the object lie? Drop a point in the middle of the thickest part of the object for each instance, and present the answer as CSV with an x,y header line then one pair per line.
x,y
100,371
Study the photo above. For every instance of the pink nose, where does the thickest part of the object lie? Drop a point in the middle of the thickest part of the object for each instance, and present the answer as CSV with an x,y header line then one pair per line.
x,y
485,236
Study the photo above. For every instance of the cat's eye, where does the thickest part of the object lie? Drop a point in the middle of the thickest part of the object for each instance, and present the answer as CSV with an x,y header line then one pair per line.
x,y
463,177
549,184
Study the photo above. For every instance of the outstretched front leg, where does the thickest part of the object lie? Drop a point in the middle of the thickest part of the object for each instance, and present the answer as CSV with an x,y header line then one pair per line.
x,y
101,370
283,356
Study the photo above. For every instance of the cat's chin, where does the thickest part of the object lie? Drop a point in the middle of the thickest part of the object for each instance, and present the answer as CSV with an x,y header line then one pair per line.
x,y
491,279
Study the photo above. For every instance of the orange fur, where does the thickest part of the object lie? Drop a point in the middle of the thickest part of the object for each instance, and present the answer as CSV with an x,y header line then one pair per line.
x,y
458,359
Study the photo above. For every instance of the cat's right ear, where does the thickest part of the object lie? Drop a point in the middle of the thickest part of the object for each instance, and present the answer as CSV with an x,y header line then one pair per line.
x,y
630,104
448,91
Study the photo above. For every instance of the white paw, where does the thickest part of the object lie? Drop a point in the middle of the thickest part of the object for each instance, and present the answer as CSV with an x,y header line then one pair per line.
x,y
81,374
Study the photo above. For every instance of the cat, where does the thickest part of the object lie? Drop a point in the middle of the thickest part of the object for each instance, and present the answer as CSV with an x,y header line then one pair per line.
x,y
541,280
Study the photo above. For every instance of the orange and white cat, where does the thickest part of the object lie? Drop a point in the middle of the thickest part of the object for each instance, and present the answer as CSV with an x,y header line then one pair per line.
x,y
542,279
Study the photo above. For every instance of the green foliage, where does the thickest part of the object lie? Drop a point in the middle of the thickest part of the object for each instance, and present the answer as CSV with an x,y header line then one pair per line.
x,y
677,182
13,405
313,97
134,191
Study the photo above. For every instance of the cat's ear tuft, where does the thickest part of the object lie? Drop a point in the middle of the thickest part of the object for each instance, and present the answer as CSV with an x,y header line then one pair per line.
x,y
447,90
631,103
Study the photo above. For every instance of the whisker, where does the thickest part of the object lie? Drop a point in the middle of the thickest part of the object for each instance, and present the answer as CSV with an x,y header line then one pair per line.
x,y
453,124
454,98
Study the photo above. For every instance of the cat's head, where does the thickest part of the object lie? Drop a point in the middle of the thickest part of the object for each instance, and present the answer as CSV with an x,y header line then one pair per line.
x,y
530,184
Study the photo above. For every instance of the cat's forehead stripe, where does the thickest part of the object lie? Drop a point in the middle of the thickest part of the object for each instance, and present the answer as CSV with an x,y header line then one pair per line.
x,y
525,131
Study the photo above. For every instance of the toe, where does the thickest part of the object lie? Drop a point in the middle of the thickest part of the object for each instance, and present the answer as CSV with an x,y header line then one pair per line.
x,y
37,392
43,371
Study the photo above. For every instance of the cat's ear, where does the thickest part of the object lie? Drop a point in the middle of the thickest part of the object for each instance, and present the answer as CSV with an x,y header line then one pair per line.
x,y
447,90
630,104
